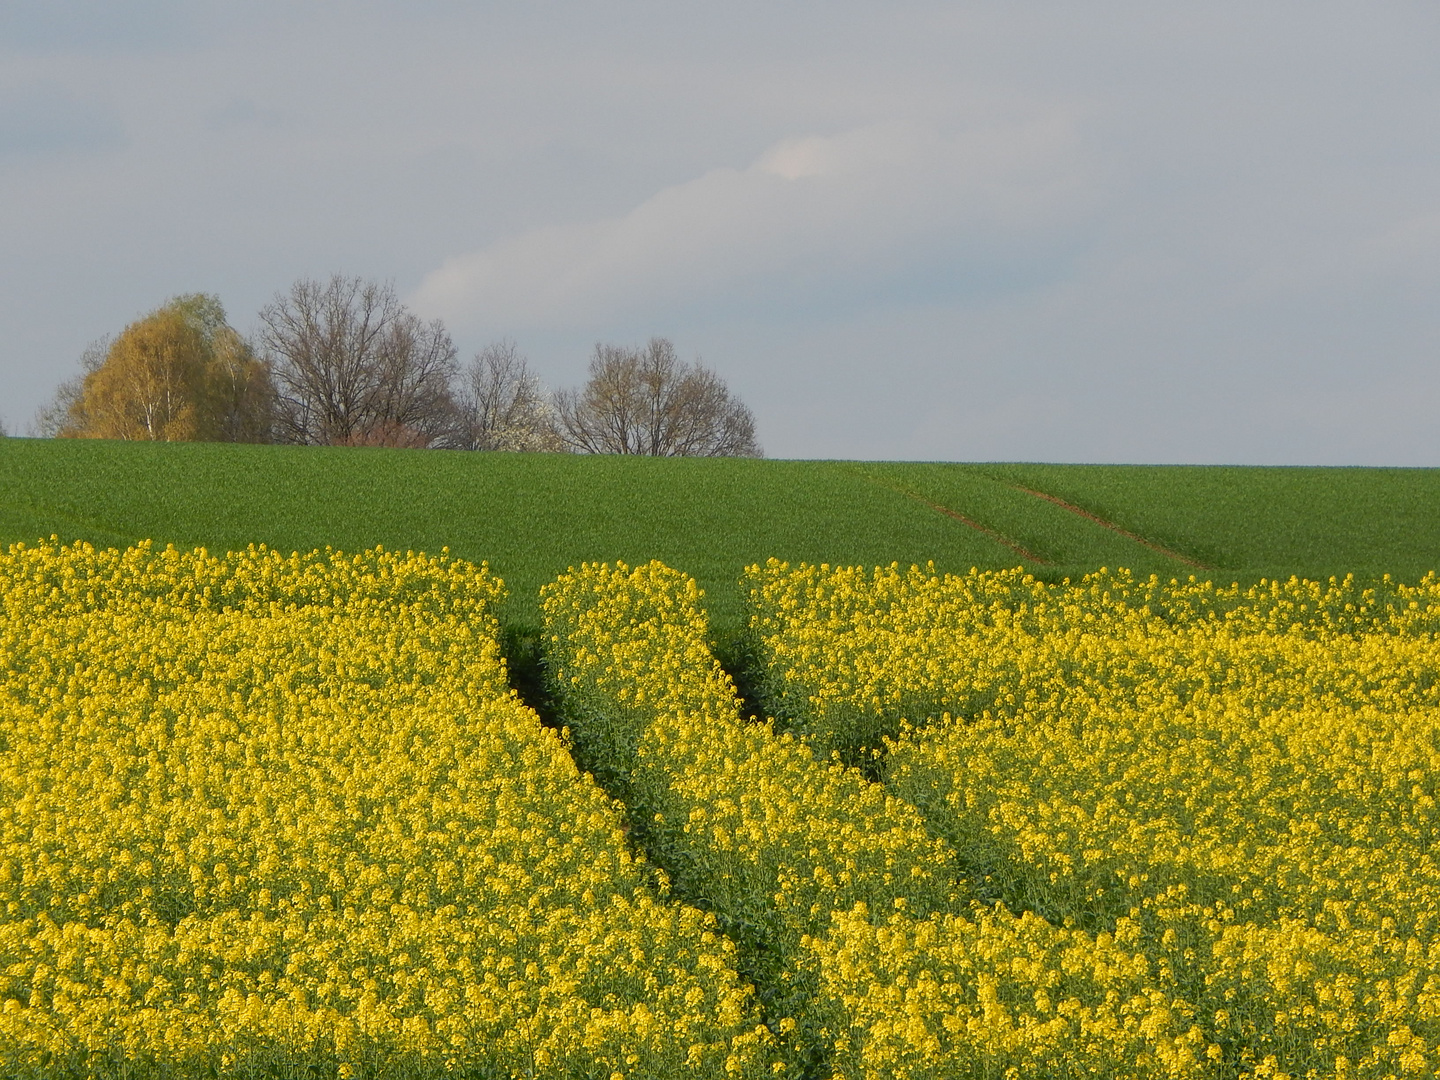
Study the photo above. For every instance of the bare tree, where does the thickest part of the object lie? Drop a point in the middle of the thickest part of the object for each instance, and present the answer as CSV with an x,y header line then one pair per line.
x,y
354,366
501,405
648,401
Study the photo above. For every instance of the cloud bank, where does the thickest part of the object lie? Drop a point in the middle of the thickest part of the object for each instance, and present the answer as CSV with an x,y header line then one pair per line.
x,y
998,229
811,214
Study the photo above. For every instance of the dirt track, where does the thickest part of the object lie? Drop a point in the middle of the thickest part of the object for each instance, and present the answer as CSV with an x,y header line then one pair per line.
x,y
1112,527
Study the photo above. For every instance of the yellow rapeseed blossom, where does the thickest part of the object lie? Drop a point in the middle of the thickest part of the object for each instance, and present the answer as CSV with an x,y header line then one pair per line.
x,y
850,914
265,815
772,841
998,994
1246,775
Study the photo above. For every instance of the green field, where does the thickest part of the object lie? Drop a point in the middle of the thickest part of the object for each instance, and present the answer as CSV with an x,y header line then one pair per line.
x,y
532,515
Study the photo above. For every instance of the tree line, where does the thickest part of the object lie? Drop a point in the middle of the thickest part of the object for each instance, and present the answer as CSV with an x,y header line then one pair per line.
x,y
344,363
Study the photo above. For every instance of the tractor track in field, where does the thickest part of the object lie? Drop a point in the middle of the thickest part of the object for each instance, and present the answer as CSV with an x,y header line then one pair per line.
x,y
1021,550
1098,520
940,508
998,537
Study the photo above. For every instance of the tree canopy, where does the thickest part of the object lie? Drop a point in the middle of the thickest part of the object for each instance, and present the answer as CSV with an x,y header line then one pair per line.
x,y
342,362
179,373
355,367
649,401
501,405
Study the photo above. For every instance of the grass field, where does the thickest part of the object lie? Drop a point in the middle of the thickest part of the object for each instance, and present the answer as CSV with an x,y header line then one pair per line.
x,y
531,516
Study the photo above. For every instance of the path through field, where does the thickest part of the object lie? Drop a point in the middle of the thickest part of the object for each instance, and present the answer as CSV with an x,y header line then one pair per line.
x,y
1082,512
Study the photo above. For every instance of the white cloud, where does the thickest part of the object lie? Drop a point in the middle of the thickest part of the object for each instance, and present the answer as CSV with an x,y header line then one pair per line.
x,y
852,205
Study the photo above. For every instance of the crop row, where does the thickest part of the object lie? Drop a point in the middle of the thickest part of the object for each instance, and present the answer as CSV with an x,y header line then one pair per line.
x,y
1248,777
284,817
858,926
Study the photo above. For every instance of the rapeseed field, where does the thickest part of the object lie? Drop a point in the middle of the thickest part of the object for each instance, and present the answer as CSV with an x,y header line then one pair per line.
x,y
265,816
1240,783
284,816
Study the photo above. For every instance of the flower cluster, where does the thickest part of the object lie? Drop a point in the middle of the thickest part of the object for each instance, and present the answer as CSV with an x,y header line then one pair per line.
x,y
265,815
853,919
1245,776
996,994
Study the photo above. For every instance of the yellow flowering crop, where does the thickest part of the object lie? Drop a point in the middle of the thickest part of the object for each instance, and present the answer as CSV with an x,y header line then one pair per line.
x,y
1248,776
770,840
832,881
997,994
283,816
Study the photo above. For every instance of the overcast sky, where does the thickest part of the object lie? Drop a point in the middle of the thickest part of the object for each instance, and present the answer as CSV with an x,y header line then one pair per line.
x,y
1023,230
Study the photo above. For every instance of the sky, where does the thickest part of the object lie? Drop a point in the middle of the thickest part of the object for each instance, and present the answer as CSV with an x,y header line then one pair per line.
x,y
1020,231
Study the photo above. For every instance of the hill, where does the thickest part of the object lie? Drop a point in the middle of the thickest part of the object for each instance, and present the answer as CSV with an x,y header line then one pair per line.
x,y
532,515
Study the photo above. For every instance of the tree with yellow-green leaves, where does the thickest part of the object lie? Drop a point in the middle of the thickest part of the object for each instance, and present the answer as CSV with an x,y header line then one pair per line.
x,y
181,373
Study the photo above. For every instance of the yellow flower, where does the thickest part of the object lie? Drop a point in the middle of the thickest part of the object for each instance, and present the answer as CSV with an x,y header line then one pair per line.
x,y
262,812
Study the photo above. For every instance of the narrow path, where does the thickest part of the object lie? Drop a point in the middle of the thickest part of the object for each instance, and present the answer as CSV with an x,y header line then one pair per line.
x,y
530,680
1098,520
999,538
940,508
